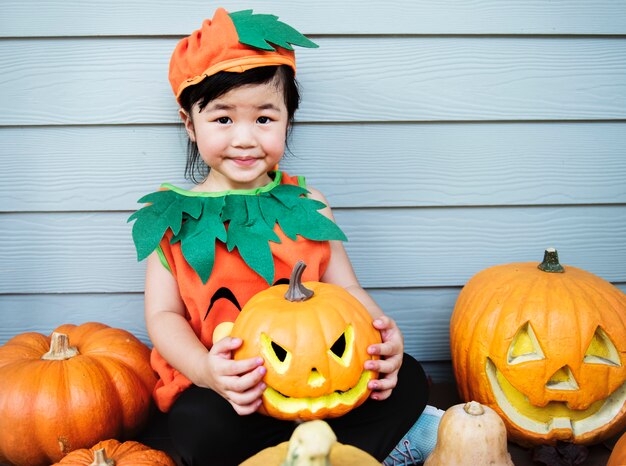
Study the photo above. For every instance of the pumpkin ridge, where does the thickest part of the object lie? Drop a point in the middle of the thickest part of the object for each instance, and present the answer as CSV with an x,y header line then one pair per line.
x,y
125,349
581,313
126,388
52,444
321,330
522,308
477,324
27,385
589,289
29,345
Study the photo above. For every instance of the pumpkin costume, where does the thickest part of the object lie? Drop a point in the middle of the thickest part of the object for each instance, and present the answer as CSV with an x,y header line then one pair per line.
x,y
223,248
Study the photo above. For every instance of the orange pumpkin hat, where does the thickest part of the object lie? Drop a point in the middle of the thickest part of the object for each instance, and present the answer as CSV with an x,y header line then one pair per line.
x,y
233,42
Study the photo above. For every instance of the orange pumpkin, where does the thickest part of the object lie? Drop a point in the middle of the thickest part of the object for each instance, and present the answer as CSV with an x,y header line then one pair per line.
x,y
618,456
55,398
314,339
114,453
544,346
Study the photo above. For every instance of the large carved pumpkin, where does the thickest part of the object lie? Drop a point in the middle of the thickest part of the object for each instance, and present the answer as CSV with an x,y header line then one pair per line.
x,y
314,339
70,390
545,346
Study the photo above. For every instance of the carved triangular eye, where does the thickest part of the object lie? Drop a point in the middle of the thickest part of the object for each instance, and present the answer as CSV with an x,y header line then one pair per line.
x,y
525,346
601,350
274,354
341,349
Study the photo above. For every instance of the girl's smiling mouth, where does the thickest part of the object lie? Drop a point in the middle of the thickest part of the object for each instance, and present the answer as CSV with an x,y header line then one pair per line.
x,y
244,161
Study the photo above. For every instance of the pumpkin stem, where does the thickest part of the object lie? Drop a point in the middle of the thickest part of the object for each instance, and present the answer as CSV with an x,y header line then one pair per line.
x,y
100,459
60,348
297,291
474,408
551,262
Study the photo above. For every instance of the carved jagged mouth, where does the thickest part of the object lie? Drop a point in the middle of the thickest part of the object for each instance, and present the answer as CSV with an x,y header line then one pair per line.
x,y
556,414
294,405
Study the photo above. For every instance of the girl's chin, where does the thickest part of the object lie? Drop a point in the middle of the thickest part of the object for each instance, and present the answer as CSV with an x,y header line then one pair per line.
x,y
246,179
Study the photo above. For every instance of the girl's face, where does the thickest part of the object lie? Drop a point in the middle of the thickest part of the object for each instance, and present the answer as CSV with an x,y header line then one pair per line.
x,y
240,136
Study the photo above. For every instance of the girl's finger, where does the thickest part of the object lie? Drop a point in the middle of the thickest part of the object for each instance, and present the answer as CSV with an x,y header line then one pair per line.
x,y
225,346
386,383
379,396
248,397
383,366
382,349
246,409
242,366
247,381
383,322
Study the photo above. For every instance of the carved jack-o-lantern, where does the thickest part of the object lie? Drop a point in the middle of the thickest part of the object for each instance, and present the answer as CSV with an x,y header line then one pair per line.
x,y
314,339
546,348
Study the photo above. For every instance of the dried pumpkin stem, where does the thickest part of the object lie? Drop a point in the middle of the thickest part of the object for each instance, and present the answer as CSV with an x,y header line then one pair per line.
x,y
297,291
474,408
100,459
60,348
551,262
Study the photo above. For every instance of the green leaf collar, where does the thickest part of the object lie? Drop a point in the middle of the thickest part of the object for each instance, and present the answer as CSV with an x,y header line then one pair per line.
x,y
198,221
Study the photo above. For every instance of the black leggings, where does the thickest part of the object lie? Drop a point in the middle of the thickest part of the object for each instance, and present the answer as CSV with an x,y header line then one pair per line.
x,y
206,430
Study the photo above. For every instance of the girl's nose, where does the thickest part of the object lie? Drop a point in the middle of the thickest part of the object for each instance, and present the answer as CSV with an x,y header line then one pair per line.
x,y
243,136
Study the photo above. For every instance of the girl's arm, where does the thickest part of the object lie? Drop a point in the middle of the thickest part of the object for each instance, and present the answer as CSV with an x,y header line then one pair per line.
x,y
391,350
239,382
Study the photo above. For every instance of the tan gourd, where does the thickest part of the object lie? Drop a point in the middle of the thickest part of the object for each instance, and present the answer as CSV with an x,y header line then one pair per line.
x,y
470,434
312,443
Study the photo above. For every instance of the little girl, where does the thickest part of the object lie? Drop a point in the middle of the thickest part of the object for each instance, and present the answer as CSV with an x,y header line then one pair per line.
x,y
211,248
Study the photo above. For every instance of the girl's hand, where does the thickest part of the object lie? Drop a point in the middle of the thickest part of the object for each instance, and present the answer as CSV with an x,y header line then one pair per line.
x,y
239,382
391,351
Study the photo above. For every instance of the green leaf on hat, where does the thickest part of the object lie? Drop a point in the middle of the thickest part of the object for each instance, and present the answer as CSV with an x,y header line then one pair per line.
x,y
259,30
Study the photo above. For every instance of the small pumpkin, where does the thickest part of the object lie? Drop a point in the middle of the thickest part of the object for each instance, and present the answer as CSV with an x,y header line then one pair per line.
x,y
82,384
314,339
545,346
313,443
470,434
618,456
113,453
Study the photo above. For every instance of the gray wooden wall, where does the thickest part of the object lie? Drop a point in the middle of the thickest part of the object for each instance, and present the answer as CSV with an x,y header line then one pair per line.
x,y
448,135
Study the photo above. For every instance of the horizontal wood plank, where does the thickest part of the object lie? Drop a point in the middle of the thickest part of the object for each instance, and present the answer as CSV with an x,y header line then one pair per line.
x,y
124,80
93,252
35,18
93,168
423,315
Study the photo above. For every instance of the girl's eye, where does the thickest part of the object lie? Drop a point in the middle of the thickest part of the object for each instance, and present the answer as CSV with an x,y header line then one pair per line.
x,y
223,120
263,120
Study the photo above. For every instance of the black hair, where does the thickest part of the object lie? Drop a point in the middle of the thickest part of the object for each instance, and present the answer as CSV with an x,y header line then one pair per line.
x,y
216,85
